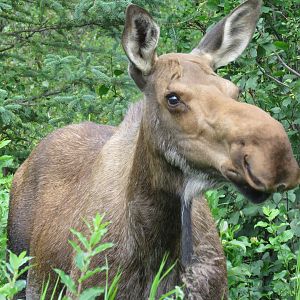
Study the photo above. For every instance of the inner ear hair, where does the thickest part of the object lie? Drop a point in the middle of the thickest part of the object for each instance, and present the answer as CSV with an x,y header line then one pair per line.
x,y
140,38
229,37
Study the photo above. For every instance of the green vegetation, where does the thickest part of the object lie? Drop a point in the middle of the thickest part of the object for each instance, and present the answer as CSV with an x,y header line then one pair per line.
x,y
61,62
85,248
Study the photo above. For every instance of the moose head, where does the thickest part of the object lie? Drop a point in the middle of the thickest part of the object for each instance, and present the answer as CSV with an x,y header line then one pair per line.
x,y
194,117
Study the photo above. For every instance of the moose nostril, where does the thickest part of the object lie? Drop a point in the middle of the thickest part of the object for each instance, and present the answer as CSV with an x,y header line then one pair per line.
x,y
246,163
242,143
254,179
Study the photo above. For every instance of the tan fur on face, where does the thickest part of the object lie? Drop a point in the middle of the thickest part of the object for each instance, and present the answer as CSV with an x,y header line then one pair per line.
x,y
213,123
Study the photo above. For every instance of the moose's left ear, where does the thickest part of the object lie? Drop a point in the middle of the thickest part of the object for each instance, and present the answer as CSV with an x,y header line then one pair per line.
x,y
229,37
140,38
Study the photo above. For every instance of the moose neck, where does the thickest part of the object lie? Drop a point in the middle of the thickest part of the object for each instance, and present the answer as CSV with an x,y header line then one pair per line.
x,y
159,211
153,197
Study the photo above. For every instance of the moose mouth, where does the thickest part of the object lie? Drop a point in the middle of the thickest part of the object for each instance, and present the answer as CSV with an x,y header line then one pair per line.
x,y
250,193
254,195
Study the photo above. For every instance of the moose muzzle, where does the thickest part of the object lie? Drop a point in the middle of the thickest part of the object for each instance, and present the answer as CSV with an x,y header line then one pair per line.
x,y
261,158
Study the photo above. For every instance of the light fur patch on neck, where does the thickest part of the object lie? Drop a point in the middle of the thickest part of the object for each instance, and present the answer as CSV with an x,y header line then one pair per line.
x,y
196,181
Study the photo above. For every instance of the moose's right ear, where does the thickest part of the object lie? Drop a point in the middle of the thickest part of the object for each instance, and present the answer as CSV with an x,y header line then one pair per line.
x,y
139,40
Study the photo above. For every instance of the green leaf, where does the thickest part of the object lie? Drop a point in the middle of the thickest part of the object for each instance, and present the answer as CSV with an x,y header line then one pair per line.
x,y
118,72
20,285
95,237
292,196
80,260
113,288
250,210
66,280
253,52
276,110
238,244
75,246
101,248
261,224
281,45
5,6
102,89
81,238
90,273
24,269
100,75
266,9
263,248
4,143
277,197
286,236
160,276
273,214
295,227
14,261
91,293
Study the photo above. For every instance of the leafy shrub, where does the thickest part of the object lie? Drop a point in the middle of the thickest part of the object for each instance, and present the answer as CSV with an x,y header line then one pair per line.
x,y
260,245
5,182
12,270
85,248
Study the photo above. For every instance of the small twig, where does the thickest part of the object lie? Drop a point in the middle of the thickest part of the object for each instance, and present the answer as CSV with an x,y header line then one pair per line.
x,y
7,48
19,41
272,77
287,67
27,101
53,27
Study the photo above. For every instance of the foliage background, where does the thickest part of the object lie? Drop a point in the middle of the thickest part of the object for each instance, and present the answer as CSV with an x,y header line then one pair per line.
x,y
61,62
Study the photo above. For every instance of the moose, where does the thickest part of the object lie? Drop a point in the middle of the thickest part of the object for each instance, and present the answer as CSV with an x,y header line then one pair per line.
x,y
188,134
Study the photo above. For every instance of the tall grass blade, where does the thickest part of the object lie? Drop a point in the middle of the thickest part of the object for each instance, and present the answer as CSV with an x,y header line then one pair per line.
x,y
160,276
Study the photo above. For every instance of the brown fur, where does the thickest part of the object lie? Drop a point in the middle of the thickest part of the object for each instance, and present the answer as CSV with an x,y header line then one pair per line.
x,y
139,174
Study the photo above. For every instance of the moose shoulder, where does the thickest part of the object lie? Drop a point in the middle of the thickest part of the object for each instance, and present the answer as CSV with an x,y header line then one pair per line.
x,y
187,135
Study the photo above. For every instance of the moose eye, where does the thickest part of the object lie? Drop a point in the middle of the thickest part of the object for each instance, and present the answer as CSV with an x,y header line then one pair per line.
x,y
173,99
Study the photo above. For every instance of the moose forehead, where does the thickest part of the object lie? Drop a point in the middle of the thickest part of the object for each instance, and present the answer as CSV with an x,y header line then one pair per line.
x,y
188,74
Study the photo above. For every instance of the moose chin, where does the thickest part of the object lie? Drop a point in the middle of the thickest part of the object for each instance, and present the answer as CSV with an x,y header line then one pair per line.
x,y
146,173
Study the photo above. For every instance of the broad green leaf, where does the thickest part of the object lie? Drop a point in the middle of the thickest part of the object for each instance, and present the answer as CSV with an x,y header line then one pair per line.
x,y
4,143
91,293
281,45
90,273
102,89
238,244
81,238
66,280
80,260
286,236
101,248
118,72
261,224
20,285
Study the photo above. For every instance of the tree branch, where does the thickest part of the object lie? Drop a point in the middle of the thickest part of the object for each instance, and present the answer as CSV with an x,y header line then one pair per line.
x,y
272,77
22,41
60,44
7,48
52,27
287,67
26,102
